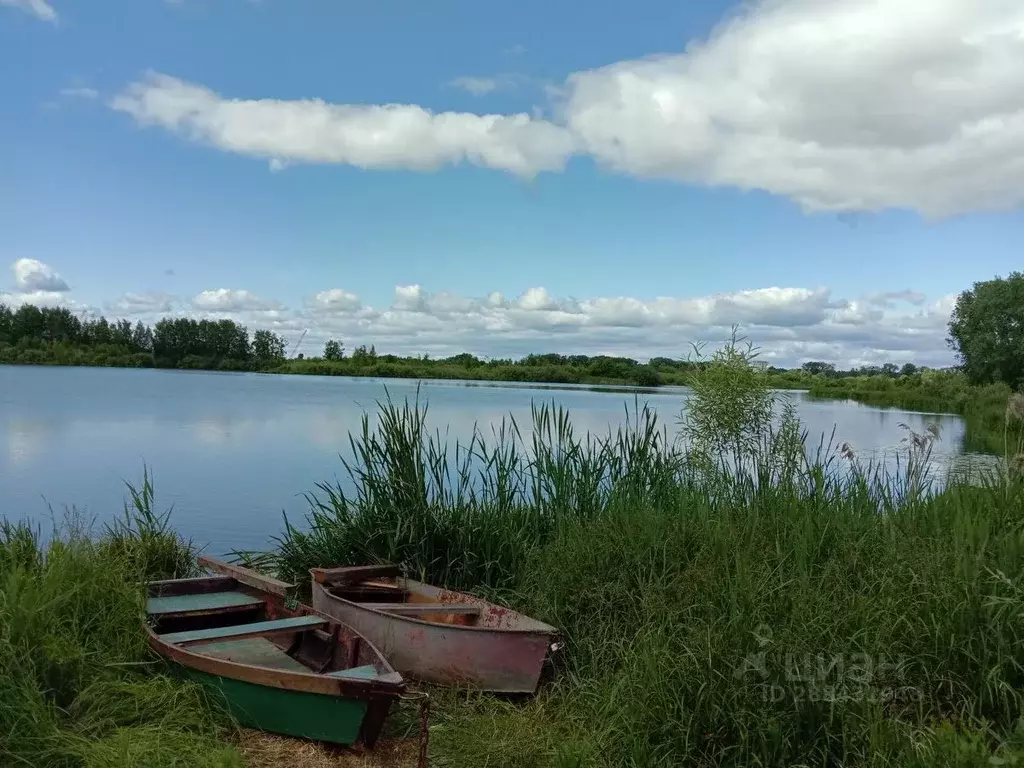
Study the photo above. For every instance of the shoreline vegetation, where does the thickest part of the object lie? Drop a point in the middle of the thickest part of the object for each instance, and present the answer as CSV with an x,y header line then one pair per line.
x,y
735,602
55,336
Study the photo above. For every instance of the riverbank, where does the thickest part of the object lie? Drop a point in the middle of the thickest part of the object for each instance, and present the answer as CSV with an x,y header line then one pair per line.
x,y
78,687
762,609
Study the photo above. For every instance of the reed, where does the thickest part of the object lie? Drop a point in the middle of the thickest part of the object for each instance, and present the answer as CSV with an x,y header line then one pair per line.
x,y
78,687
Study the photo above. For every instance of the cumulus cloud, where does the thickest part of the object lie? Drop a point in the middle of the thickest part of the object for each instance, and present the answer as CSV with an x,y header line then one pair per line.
x,y
387,136
791,325
845,105
840,105
36,298
334,300
31,275
228,300
38,8
145,303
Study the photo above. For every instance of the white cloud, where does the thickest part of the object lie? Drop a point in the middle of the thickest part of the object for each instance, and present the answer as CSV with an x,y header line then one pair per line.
x,y
481,86
408,298
145,303
791,325
31,275
840,105
38,8
335,300
534,299
388,136
36,298
228,300
80,93
891,298
478,86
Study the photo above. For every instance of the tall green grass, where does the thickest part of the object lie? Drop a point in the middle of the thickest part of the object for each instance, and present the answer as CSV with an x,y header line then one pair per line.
x,y
734,600
78,687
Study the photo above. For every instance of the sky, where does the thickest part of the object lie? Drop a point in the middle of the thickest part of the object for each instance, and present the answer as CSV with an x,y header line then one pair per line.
x,y
599,178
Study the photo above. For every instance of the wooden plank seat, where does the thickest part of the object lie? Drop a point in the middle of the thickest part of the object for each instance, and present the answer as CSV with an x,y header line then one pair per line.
x,y
240,631
420,609
367,672
200,604
352,574
255,651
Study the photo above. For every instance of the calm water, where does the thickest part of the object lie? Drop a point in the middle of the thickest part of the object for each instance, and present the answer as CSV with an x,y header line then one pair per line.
x,y
232,451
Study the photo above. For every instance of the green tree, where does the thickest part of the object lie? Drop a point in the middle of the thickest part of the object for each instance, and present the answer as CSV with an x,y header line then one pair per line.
x,y
142,338
267,347
816,367
987,331
333,350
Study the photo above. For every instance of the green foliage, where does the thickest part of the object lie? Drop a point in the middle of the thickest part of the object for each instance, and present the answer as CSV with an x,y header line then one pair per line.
x,y
754,608
267,348
78,687
143,539
187,343
469,514
732,402
983,407
987,331
684,624
333,351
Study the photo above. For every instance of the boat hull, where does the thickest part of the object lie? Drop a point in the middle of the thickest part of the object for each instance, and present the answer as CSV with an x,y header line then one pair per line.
x,y
500,660
289,713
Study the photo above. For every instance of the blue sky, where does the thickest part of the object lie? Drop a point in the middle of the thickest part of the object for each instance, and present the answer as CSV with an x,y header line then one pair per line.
x,y
439,177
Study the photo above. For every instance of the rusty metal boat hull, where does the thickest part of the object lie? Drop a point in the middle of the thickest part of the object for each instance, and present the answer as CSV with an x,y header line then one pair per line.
x,y
498,650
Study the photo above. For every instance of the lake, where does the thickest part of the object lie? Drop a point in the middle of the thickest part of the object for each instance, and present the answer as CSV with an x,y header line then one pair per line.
x,y
232,451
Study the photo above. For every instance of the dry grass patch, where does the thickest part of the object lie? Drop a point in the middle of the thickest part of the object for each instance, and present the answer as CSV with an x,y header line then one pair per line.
x,y
266,750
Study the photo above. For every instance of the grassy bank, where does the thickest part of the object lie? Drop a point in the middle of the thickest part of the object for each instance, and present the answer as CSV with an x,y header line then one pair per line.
x,y
731,603
78,687
983,407
759,609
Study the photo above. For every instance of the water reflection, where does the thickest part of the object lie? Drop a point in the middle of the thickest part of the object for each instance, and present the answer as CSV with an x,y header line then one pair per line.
x,y
230,452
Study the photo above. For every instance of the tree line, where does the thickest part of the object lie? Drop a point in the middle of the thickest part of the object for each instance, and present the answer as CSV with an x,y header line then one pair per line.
x,y
986,331
57,335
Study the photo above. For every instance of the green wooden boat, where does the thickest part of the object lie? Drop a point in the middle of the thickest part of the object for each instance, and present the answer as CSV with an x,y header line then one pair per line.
x,y
278,665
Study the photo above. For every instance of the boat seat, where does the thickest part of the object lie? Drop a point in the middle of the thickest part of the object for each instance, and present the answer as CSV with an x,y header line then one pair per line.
x,y
254,651
199,604
368,672
420,609
239,631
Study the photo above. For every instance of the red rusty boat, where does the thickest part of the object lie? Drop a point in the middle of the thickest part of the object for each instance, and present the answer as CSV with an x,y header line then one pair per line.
x,y
437,635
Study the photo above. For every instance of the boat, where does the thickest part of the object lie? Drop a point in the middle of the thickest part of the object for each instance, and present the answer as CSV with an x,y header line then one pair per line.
x,y
437,635
278,665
